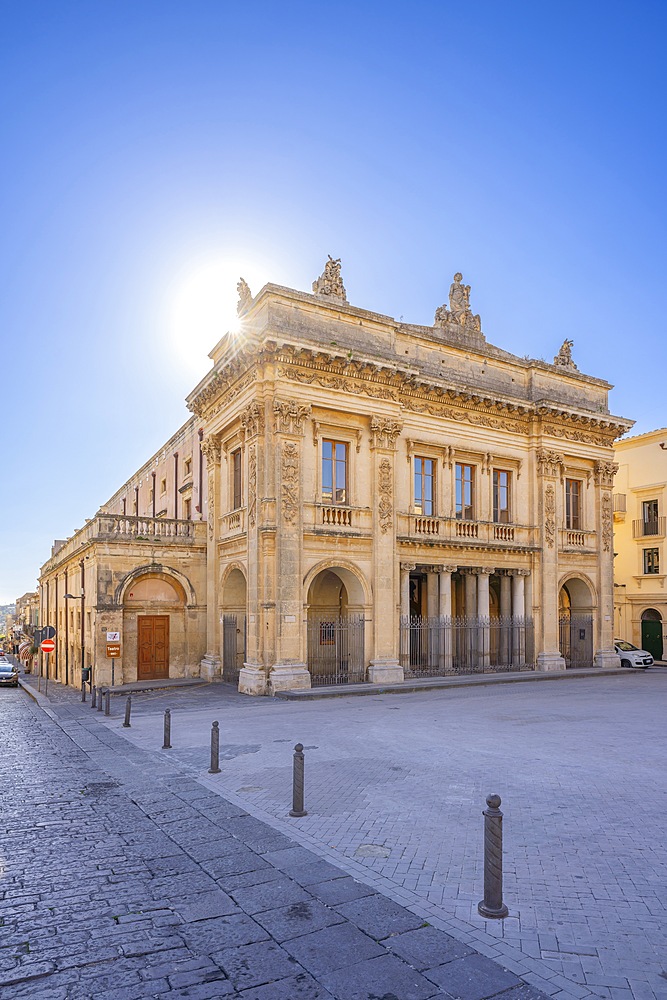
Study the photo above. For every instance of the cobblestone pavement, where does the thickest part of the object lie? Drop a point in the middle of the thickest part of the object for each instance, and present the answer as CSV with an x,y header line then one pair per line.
x,y
395,786
123,877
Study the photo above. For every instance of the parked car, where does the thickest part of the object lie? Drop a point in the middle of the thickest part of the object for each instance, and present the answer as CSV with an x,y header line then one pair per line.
x,y
631,656
9,675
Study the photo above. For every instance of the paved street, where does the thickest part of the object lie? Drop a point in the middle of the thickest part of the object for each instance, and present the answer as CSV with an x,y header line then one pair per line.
x,y
122,877
395,786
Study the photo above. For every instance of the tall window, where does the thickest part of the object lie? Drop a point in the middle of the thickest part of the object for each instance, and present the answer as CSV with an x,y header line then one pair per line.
x,y
650,517
187,509
651,560
573,504
424,485
334,472
465,491
501,496
236,479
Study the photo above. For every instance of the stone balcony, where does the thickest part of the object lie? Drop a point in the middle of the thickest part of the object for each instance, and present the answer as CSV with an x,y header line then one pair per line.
x,y
455,531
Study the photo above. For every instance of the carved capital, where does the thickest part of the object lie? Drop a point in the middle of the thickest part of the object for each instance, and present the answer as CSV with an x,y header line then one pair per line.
x,y
252,419
549,463
604,473
384,432
448,569
408,567
290,416
210,447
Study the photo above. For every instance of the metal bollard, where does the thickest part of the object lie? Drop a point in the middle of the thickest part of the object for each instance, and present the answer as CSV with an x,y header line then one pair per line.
x,y
297,782
167,730
107,701
492,905
128,709
100,694
93,696
83,691
215,749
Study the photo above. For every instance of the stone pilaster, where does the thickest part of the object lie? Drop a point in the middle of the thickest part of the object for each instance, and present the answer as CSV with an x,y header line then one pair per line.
x,y
385,666
211,664
605,654
253,674
550,467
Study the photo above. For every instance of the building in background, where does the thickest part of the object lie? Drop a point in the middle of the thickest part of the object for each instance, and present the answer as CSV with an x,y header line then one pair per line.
x,y
137,569
640,519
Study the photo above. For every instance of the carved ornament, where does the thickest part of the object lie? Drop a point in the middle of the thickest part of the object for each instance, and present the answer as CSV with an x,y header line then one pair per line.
x,y
245,296
210,447
604,473
290,481
289,416
252,419
252,485
459,311
564,357
330,285
384,432
606,518
386,495
550,463
550,515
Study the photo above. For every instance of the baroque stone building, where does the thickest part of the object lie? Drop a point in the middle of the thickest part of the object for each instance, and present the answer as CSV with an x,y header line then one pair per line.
x,y
640,528
389,500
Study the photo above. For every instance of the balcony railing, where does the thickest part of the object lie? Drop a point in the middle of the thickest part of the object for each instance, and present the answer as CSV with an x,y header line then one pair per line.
x,y
644,529
340,516
233,522
574,538
451,529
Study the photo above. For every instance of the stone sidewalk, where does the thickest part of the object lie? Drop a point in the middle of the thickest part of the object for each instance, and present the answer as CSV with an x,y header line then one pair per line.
x,y
125,878
395,788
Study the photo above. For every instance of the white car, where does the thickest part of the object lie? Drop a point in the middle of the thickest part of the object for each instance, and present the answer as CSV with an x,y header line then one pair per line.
x,y
631,656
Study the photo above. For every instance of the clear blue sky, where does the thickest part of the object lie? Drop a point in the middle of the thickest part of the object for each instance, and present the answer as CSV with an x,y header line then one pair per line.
x,y
145,142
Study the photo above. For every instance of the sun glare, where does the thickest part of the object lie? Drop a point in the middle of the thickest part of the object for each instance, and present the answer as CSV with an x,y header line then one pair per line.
x,y
203,308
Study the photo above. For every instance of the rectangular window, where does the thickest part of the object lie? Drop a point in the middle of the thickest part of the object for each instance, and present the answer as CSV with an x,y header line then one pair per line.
x,y
163,486
187,467
465,492
236,479
334,472
651,560
650,517
187,509
424,486
501,496
573,504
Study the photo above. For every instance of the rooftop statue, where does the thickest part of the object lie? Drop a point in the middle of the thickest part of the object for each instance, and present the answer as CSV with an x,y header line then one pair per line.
x,y
459,307
564,356
330,284
245,296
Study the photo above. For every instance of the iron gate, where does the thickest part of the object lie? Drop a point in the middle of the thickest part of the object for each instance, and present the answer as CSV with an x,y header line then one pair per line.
x,y
233,646
438,647
576,640
336,649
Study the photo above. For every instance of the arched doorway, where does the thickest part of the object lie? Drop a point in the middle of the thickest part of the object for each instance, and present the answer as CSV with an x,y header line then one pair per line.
x,y
153,614
652,632
335,628
575,617
233,624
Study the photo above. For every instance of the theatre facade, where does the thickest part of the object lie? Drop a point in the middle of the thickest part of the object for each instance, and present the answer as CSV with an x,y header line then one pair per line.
x,y
389,501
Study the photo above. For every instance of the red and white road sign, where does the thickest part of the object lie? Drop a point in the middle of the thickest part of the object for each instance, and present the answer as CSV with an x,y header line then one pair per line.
x,y
48,646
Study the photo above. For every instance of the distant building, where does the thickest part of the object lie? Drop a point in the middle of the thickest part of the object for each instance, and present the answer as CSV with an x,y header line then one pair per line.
x,y
383,501
640,519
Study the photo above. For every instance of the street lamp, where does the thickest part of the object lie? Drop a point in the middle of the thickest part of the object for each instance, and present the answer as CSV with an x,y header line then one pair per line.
x,y
80,597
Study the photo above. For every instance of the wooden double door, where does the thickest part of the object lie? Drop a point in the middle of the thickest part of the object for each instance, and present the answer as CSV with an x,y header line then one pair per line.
x,y
153,647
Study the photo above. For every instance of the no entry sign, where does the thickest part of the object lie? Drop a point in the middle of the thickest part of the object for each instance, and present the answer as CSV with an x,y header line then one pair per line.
x,y
48,645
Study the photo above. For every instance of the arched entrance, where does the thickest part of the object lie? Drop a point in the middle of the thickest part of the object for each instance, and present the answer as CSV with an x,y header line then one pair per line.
x,y
153,609
233,624
575,616
652,632
335,628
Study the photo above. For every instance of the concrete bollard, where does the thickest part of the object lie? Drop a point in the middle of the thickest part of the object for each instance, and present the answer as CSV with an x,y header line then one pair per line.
x,y
93,696
215,749
107,701
100,699
298,782
492,905
166,745
128,709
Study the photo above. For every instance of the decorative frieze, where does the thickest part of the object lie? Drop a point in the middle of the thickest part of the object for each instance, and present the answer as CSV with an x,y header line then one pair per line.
x,y
252,485
386,495
550,515
606,520
289,416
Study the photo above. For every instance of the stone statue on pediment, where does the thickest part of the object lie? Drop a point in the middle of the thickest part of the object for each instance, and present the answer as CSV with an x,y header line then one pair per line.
x,y
564,357
330,283
459,311
245,296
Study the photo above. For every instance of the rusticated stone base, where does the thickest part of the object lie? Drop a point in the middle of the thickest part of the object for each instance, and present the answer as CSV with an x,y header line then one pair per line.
x,y
550,661
252,679
289,677
210,667
607,658
385,672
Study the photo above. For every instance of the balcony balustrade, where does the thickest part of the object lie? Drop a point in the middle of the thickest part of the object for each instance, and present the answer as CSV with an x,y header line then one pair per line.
x,y
645,529
451,529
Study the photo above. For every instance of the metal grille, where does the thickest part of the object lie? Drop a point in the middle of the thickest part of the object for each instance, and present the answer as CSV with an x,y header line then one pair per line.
x,y
233,646
336,649
439,647
576,640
